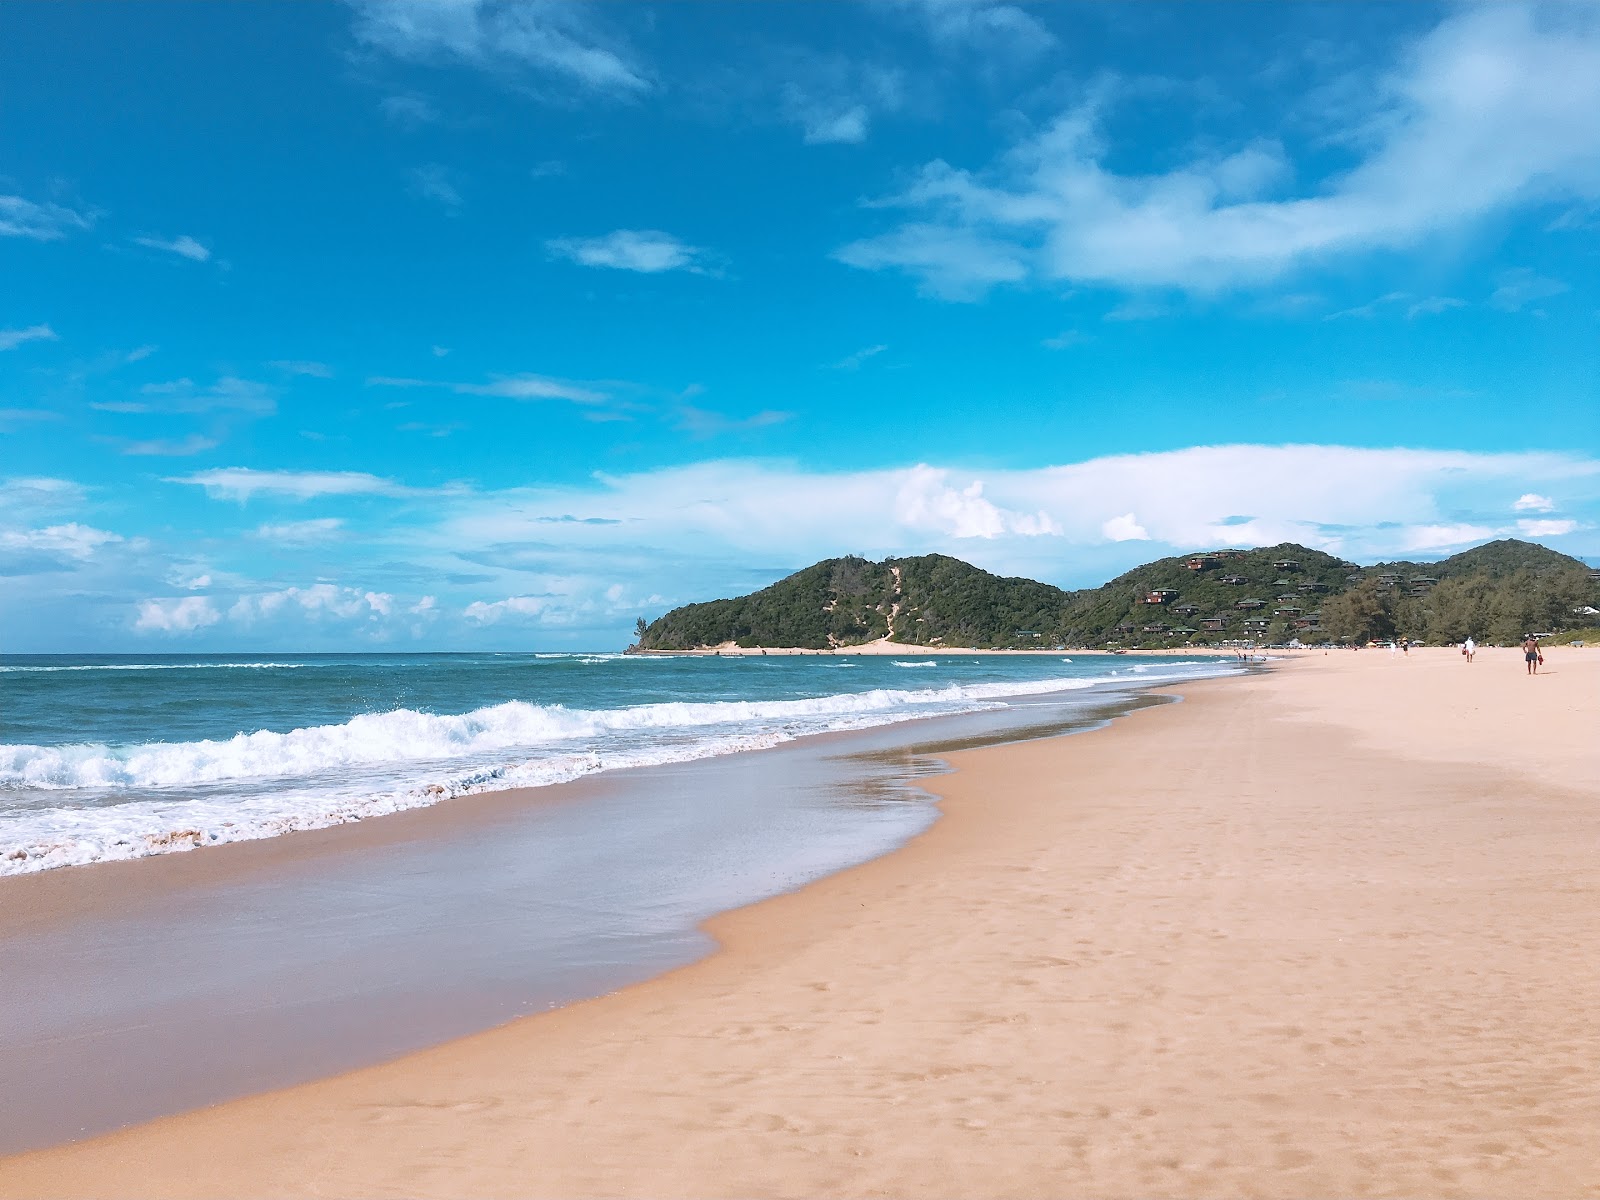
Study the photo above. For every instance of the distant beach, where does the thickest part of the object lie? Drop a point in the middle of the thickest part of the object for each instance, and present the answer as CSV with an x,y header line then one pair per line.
x,y
1321,930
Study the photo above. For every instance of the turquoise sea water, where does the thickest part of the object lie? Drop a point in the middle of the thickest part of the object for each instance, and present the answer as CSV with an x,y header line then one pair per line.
x,y
107,757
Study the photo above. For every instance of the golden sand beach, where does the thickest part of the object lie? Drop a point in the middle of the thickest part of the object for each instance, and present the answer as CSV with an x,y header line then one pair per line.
x,y
1325,930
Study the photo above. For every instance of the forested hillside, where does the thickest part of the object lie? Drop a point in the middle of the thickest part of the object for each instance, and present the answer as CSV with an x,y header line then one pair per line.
x,y
931,600
1496,593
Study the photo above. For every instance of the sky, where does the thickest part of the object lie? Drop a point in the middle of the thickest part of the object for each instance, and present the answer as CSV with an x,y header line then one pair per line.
x,y
477,324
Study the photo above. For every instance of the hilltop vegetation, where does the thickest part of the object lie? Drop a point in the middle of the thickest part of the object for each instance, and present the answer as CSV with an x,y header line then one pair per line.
x,y
931,600
1496,593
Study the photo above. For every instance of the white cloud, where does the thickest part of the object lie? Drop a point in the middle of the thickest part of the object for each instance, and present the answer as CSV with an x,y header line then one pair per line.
x,y
824,126
39,493
1493,109
981,25
73,540
182,615
41,222
436,183
482,613
321,601
300,366
301,533
242,483
186,396
925,500
1442,537
409,111
183,246
510,387
645,250
1066,339
10,339
1347,500
165,447
1125,528
852,362
1533,502
1558,528
555,39
1522,287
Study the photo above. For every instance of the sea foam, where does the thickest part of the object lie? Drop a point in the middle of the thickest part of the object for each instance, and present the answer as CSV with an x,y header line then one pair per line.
x,y
93,802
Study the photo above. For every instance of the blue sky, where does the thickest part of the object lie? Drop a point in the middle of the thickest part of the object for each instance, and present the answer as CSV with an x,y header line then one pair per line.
x,y
475,324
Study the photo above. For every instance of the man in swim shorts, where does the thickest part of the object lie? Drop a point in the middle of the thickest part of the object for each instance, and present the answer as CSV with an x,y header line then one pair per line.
x,y
1530,653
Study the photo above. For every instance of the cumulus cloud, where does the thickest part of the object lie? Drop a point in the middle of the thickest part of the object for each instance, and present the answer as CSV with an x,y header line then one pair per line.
x,y
1493,109
648,251
183,246
553,40
183,614
1125,528
41,222
1533,502
1347,500
10,339
321,601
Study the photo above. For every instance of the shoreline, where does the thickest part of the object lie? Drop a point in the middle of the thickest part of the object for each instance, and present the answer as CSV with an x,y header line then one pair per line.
x,y
1251,942
885,648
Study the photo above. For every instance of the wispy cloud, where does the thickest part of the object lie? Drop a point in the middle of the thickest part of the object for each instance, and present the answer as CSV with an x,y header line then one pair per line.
x,y
1533,502
297,366
1521,287
983,26
554,40
409,111
42,222
245,483
183,246
702,422
301,533
10,339
1066,339
436,183
852,362
186,396
645,250
1491,110
510,387
1547,528
193,444
1412,306
835,99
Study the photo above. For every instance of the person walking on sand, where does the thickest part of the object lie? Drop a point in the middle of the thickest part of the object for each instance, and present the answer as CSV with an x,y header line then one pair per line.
x,y
1469,648
1530,654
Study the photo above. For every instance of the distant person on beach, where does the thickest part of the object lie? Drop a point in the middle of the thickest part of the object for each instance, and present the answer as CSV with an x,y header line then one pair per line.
x,y
1531,655
1469,648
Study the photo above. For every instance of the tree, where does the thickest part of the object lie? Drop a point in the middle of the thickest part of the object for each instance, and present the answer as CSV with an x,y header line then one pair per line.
x,y
639,628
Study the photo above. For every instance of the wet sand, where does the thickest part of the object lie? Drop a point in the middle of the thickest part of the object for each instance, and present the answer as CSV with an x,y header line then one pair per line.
x,y
1326,930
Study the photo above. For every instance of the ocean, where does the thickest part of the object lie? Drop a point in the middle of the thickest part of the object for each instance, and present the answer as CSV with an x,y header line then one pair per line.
x,y
107,757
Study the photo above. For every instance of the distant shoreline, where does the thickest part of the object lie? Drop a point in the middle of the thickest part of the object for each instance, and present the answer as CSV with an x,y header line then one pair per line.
x,y
901,650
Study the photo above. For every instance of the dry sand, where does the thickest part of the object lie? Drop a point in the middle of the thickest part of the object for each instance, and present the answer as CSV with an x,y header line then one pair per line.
x,y
1324,931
